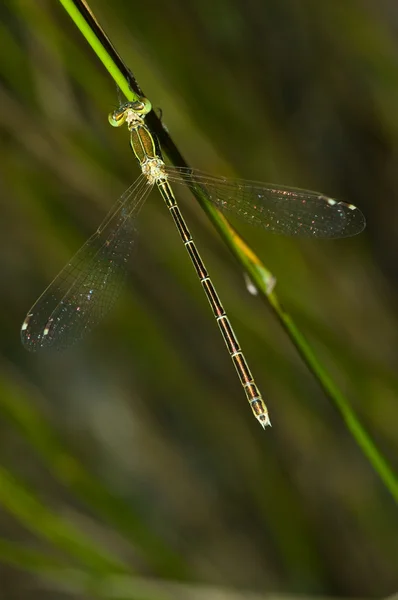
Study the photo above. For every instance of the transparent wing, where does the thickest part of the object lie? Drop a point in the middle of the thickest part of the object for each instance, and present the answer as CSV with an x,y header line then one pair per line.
x,y
284,210
86,288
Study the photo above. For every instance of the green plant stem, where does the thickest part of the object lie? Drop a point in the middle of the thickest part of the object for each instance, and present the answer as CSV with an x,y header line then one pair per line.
x,y
247,259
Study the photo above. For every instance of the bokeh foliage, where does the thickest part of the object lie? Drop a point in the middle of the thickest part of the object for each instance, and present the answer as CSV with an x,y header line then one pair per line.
x,y
134,453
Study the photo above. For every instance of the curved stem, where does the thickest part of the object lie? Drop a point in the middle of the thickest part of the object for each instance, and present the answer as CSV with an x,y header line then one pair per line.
x,y
262,279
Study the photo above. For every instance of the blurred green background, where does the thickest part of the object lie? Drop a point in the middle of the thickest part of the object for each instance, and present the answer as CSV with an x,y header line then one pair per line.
x,y
133,457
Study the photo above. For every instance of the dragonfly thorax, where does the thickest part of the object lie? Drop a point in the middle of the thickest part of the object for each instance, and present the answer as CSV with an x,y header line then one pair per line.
x,y
153,169
133,119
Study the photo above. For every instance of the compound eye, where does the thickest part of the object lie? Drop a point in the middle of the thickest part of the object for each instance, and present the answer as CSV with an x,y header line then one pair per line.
x,y
118,116
142,106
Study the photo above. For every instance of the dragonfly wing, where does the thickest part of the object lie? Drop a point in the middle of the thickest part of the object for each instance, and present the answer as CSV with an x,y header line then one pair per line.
x,y
87,287
283,210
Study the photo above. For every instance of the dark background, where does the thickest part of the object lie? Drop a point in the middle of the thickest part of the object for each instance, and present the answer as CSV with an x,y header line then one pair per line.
x,y
140,438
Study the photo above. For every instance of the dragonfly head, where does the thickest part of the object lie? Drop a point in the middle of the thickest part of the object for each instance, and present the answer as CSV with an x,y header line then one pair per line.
x,y
130,111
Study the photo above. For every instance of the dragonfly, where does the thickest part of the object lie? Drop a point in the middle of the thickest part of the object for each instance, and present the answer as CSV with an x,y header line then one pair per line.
x,y
87,287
